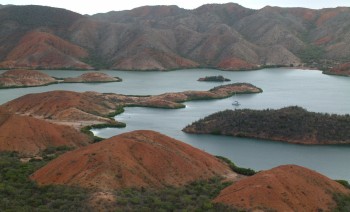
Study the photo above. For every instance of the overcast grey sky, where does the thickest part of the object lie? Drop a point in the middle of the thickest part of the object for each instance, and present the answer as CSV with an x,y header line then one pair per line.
x,y
100,6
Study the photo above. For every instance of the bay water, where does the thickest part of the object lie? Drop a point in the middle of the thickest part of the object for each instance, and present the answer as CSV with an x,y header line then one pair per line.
x,y
282,87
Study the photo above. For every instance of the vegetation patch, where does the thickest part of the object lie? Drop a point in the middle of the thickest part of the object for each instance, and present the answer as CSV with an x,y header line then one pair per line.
x,y
118,110
344,183
218,78
237,169
291,124
343,202
195,196
18,193
87,129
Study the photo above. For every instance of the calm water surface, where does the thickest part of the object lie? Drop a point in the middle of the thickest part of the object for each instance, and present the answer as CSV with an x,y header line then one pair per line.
x,y
282,87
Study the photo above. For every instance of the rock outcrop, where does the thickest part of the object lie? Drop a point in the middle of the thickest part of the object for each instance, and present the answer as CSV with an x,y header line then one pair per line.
x,y
132,160
284,188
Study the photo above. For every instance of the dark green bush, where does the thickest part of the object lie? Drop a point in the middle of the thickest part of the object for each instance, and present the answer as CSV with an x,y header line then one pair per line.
x,y
238,170
343,202
344,183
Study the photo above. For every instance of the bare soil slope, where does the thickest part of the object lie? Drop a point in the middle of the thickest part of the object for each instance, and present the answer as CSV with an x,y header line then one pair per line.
x,y
29,136
135,159
284,188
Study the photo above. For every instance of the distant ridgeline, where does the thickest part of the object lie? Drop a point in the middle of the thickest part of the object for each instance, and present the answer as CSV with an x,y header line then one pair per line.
x,y
291,124
221,36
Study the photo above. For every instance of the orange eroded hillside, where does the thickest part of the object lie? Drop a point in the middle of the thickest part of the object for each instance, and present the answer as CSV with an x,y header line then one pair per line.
x,y
29,136
285,188
135,159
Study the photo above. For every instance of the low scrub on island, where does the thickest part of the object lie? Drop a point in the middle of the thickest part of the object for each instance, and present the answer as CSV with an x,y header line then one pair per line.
x,y
291,124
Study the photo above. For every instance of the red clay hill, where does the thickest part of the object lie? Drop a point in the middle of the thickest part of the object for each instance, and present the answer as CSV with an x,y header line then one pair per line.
x,y
285,188
135,159
29,136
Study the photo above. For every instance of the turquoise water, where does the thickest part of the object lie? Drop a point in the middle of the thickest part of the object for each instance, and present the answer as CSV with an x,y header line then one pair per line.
x,y
282,87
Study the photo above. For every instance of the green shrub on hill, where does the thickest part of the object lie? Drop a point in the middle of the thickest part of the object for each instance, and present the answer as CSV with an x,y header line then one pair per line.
x,y
19,193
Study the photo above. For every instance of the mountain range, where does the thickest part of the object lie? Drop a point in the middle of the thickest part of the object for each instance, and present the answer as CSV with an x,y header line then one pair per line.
x,y
222,36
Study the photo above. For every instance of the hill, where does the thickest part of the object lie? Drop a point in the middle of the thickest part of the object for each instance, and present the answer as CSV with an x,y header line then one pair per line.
x,y
226,36
290,124
136,159
36,37
284,188
24,78
29,136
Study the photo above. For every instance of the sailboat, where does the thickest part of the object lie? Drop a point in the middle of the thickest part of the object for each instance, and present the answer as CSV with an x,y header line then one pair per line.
x,y
236,103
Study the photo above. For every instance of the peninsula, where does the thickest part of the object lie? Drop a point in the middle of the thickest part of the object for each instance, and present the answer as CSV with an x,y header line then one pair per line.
x,y
91,108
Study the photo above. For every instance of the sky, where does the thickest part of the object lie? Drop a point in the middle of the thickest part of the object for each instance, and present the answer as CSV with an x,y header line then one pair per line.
x,y
101,6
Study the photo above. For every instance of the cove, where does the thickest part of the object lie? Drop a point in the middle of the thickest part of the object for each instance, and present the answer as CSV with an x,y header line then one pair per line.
x,y
282,87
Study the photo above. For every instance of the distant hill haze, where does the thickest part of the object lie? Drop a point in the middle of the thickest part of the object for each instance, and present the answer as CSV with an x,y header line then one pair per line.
x,y
224,36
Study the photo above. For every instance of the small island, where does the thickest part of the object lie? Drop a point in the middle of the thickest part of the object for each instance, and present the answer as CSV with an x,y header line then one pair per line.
x,y
33,78
291,124
92,77
218,78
